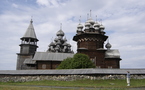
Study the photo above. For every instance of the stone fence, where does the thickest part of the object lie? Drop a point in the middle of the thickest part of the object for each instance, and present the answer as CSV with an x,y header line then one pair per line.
x,y
26,78
69,74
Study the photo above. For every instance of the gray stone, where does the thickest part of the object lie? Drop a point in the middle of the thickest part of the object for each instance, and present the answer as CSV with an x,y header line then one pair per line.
x,y
64,77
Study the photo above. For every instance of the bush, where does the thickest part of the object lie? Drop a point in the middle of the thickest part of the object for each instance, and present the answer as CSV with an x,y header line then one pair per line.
x,y
65,64
78,61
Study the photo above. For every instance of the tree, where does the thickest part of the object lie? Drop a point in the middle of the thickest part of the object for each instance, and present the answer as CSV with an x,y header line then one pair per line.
x,y
78,61
65,64
82,61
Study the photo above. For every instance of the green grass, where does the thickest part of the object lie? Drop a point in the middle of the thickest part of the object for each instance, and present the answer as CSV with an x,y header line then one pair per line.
x,y
7,87
44,88
78,83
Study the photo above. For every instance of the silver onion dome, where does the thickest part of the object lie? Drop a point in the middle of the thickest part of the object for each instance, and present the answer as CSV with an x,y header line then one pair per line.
x,y
65,39
87,23
80,26
65,44
91,21
58,43
102,27
68,45
60,32
52,44
96,24
56,39
108,45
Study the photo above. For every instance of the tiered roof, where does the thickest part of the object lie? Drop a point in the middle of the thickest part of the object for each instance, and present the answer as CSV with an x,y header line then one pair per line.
x,y
95,27
60,44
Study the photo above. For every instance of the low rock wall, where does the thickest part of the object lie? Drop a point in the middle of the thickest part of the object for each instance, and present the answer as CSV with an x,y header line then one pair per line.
x,y
12,78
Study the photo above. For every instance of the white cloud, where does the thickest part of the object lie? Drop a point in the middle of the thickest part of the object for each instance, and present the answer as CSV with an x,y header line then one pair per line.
x,y
123,20
14,5
50,3
43,2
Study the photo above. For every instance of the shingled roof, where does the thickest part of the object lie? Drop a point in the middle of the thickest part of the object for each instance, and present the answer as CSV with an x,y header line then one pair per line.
x,y
46,56
30,33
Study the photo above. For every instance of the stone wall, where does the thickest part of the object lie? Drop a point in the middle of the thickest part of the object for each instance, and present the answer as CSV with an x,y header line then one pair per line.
x,y
12,78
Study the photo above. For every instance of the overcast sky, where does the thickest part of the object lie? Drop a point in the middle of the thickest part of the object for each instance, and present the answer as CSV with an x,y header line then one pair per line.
x,y
124,22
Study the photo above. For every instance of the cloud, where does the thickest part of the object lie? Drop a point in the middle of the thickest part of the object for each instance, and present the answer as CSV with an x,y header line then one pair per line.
x,y
51,3
43,2
123,20
14,5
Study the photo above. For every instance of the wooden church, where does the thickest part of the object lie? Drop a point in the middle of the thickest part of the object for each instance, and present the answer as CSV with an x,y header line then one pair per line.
x,y
29,58
90,40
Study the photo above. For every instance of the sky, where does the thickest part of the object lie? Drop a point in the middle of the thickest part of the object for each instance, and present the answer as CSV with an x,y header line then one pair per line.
x,y
124,22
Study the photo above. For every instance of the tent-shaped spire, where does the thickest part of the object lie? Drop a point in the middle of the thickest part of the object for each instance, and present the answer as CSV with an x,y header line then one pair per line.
x,y
30,33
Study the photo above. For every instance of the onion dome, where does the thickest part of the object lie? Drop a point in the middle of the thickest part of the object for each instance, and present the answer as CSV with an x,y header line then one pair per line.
x,y
79,30
102,27
69,45
96,24
52,44
91,21
58,43
108,45
56,48
56,39
80,26
65,44
60,33
65,39
87,23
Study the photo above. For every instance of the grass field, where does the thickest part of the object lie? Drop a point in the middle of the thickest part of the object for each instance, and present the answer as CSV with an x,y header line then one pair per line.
x,y
81,84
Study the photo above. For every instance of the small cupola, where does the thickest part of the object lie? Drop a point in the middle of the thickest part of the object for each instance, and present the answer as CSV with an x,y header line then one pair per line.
x,y
79,27
52,44
65,40
87,25
96,25
108,45
102,28
60,33
56,39
91,21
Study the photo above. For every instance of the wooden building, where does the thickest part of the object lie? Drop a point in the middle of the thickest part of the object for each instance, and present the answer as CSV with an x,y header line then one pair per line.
x,y
90,41
29,58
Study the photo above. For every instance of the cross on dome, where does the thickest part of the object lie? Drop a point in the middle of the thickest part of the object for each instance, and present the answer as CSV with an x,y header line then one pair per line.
x,y
60,26
90,13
